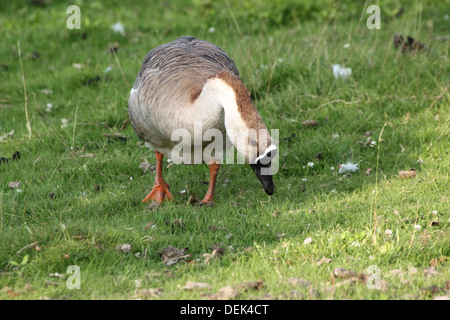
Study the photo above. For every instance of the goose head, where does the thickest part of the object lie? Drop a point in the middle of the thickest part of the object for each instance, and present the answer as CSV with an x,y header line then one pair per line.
x,y
262,167
258,150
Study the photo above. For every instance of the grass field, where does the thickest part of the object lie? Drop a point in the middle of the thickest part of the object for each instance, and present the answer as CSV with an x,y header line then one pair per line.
x,y
81,187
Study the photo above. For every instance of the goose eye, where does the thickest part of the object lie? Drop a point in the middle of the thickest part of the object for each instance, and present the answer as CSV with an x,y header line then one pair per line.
x,y
269,154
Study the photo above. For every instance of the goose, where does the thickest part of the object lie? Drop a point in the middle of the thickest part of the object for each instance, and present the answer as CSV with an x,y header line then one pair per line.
x,y
190,81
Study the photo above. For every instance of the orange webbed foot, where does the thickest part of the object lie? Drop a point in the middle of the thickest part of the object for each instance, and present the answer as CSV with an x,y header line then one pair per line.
x,y
160,191
208,200
158,194
207,203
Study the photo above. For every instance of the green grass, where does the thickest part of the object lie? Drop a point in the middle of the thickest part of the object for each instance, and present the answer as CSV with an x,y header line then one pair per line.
x,y
82,224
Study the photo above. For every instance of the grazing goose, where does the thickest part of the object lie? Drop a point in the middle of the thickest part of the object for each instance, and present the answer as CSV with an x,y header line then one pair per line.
x,y
187,82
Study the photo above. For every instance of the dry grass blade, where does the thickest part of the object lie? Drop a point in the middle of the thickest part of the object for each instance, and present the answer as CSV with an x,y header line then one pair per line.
x,y
118,64
7,135
31,245
24,90
374,236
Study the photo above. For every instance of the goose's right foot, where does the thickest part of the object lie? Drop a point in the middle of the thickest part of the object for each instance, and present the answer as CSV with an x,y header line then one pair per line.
x,y
160,191
213,172
158,194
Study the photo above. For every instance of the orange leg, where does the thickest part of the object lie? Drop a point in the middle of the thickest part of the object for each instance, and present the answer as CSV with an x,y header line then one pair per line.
x,y
160,191
213,171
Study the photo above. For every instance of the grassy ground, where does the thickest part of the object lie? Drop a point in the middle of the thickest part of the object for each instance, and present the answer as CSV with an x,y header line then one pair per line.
x,y
81,190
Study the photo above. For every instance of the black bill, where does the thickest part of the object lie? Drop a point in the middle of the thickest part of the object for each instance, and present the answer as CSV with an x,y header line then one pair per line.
x,y
261,171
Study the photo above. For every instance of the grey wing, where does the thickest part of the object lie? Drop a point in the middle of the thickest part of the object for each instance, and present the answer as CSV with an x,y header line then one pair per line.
x,y
216,56
186,54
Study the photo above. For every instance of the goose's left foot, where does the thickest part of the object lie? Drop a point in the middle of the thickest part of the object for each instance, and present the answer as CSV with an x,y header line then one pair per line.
x,y
213,171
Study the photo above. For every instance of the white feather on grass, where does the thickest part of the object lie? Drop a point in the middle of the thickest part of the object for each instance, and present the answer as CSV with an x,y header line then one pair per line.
x,y
348,167
340,72
119,28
